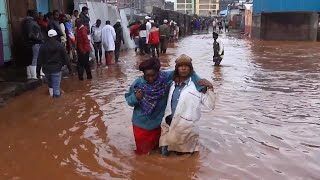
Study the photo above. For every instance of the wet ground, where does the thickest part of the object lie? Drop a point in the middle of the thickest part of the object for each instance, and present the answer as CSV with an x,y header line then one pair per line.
x,y
266,124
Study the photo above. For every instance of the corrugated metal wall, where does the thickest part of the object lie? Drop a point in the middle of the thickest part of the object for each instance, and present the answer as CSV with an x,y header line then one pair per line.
x,y
175,16
286,5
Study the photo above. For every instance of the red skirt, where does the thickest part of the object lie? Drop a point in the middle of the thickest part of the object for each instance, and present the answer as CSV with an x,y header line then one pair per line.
x,y
146,140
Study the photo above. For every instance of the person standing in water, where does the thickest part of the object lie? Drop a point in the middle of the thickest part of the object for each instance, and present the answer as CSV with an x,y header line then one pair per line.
x,y
108,41
96,33
226,25
164,31
218,49
119,38
214,25
52,57
134,34
148,95
220,26
154,40
180,125
83,49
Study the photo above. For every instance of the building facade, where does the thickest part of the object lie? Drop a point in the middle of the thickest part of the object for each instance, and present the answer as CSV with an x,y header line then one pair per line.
x,y
124,3
147,5
223,4
12,13
185,6
207,7
286,6
295,20
169,6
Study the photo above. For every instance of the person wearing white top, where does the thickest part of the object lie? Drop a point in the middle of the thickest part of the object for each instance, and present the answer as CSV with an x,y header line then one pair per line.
x,y
75,16
218,49
96,34
148,27
63,30
214,25
179,127
108,41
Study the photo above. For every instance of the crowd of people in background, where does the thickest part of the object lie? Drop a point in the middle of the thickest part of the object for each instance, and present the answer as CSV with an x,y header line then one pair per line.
x,y
166,103
222,25
74,34
57,39
202,25
152,38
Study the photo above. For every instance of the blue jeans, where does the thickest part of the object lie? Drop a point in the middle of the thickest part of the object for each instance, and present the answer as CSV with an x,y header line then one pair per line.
x,y
54,80
35,54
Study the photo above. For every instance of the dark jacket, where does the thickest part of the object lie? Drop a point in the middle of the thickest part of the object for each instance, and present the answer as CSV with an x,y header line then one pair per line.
x,y
53,24
44,28
32,31
86,21
164,30
53,56
119,33
143,27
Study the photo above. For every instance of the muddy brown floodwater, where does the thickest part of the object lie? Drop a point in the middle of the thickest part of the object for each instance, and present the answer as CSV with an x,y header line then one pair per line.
x,y
266,124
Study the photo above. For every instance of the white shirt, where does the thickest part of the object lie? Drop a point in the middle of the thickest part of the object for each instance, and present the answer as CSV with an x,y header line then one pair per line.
x,y
108,38
148,26
214,23
183,133
143,33
221,46
96,33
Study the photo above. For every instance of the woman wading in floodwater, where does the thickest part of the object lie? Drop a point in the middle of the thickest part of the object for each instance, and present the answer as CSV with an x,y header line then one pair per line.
x,y
148,95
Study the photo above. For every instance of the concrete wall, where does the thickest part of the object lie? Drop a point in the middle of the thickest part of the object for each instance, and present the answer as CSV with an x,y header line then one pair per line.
x,y
289,26
148,5
318,39
256,26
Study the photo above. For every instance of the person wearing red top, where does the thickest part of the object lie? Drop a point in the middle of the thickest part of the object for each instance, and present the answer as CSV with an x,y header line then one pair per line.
x,y
154,40
230,24
83,49
42,21
134,34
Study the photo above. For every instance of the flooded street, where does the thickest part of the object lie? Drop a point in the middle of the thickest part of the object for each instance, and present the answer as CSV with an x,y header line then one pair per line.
x,y
266,124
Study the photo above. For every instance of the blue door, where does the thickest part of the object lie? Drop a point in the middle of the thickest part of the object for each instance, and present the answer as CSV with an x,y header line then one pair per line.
x,y
5,30
42,6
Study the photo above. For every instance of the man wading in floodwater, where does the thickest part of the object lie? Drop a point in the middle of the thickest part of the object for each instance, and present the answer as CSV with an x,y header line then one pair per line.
x,y
218,49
